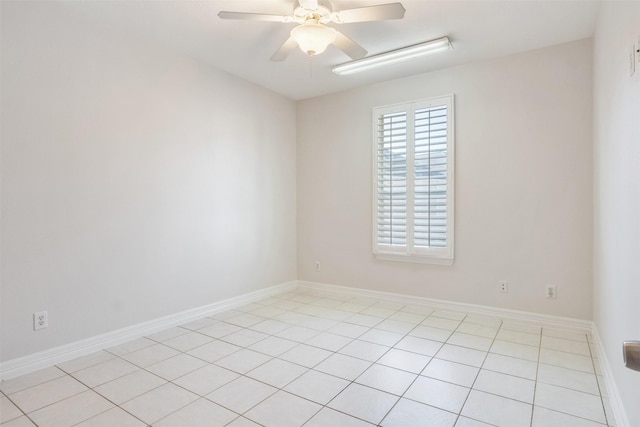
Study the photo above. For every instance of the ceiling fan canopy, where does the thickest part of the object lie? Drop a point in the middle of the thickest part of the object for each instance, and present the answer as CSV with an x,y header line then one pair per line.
x,y
312,35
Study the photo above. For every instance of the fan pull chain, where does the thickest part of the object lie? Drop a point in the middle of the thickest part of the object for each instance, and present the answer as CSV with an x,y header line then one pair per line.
x,y
310,66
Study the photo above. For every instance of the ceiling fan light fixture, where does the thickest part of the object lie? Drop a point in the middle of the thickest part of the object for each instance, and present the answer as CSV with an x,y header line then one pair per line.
x,y
313,38
394,56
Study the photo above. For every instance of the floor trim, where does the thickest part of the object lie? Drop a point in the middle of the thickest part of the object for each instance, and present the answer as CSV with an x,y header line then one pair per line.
x,y
44,359
545,320
620,415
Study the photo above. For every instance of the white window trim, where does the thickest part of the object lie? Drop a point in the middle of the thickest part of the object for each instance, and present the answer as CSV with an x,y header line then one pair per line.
x,y
444,256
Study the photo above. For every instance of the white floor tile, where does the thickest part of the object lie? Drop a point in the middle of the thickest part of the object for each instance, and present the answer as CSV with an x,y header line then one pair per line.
x,y
570,346
71,411
408,317
85,361
364,403
241,394
452,372
419,345
328,341
317,386
479,330
283,410
463,355
176,366
470,341
395,326
242,422
47,393
150,355
529,328
571,402
277,373
167,334
382,337
111,418
479,319
519,337
343,366
442,323
566,360
188,341
270,326
511,365
543,417
298,334
273,346
364,350
348,330
568,378
505,385
243,361
29,380
387,379
408,413
468,422
305,355
519,351
329,417
105,372
267,312
129,386
131,346
404,360
364,320
497,410
201,413
219,329
568,335
8,411
158,403
244,337
214,351
431,333
206,379
198,324
438,393
453,315
19,422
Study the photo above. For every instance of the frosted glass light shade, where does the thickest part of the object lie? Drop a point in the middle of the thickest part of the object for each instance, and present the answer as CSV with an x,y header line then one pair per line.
x,y
313,38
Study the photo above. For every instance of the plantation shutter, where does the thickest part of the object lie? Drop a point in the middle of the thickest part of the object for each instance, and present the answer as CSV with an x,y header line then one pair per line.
x,y
430,183
413,211
392,179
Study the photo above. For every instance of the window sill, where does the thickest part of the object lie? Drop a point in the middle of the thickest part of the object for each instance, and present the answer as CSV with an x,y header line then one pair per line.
x,y
418,259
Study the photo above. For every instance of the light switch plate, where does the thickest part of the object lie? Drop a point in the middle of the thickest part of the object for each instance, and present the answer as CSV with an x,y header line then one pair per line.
x,y
631,352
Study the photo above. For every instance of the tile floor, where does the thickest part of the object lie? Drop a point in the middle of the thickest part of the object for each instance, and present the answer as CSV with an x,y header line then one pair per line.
x,y
311,359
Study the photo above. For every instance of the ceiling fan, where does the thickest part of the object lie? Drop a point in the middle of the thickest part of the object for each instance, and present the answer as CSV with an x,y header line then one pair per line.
x,y
312,34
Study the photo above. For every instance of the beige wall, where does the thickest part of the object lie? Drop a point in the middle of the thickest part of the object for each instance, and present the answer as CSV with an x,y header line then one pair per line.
x,y
523,184
136,183
617,192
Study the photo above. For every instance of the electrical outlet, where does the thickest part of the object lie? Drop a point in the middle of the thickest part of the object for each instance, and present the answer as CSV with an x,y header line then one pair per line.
x,y
40,320
317,265
503,287
551,292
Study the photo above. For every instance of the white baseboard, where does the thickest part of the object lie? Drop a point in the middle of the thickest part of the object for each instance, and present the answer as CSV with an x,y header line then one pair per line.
x,y
620,415
545,320
24,365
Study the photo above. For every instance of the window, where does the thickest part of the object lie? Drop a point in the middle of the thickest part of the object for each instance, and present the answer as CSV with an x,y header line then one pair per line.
x,y
413,181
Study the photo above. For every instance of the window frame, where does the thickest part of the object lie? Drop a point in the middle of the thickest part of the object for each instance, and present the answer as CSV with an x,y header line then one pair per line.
x,y
408,252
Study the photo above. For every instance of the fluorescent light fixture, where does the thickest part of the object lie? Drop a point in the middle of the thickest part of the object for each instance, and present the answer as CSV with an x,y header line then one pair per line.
x,y
393,56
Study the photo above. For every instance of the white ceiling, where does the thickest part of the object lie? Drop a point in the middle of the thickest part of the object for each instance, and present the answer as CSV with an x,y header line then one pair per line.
x,y
478,29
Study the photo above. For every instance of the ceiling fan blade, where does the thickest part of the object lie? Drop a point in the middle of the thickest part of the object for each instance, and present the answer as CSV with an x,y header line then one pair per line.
x,y
309,4
348,46
284,51
252,16
370,13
